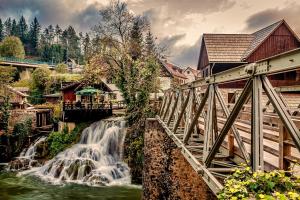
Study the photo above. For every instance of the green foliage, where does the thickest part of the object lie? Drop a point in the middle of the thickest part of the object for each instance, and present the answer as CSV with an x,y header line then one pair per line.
x,y
245,184
36,96
12,47
41,77
34,34
59,141
134,153
5,113
8,74
22,83
1,31
20,131
61,68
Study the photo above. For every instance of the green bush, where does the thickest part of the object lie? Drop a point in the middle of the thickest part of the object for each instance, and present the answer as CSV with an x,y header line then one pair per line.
x,y
245,184
61,68
20,131
59,141
12,47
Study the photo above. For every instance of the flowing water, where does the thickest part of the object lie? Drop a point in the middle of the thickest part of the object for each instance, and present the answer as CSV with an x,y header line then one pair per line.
x,y
95,161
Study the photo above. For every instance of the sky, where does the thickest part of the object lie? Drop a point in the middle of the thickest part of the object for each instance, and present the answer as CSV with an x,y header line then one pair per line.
x,y
177,24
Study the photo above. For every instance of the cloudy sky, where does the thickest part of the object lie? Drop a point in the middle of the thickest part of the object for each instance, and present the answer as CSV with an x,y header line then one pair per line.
x,y
177,24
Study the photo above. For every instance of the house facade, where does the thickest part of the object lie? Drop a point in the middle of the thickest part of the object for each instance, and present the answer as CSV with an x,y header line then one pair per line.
x,y
220,52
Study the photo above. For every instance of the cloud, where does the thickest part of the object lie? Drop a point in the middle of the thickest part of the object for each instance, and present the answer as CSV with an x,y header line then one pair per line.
x,y
78,13
290,13
188,55
183,55
175,7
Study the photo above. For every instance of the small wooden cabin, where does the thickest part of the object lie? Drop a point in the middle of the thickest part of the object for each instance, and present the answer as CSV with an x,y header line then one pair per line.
x,y
220,52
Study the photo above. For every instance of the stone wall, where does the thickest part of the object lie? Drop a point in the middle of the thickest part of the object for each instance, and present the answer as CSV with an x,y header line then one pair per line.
x,y
167,175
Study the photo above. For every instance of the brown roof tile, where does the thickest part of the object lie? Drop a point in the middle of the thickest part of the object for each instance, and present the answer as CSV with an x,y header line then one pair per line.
x,y
226,47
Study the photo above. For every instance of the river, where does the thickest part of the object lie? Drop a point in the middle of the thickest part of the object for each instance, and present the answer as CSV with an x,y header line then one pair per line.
x,y
91,169
14,187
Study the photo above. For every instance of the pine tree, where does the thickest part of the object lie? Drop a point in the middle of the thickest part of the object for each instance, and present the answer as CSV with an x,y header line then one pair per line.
x,y
149,44
1,31
7,27
58,33
34,34
136,39
86,47
14,28
72,43
22,29
51,34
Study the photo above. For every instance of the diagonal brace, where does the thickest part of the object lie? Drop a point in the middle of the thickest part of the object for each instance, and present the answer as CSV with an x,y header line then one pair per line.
x,y
195,119
235,131
229,122
281,111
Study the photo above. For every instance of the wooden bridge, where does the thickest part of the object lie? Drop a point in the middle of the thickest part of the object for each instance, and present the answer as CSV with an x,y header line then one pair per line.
x,y
215,135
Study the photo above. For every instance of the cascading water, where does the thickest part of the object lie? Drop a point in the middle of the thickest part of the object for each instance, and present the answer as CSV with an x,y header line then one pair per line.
x,y
95,160
26,160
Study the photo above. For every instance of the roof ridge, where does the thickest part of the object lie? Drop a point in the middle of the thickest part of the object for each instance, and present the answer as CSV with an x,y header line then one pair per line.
x,y
266,27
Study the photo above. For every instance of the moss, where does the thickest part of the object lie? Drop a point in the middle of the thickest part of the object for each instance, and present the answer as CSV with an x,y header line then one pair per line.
x,y
134,151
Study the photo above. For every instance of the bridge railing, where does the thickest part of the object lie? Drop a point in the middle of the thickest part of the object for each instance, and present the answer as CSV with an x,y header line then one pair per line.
x,y
27,61
216,136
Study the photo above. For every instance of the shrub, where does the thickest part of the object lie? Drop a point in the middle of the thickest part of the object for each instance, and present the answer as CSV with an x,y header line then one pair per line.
x,y
12,47
20,131
41,77
22,83
245,184
59,141
8,74
61,68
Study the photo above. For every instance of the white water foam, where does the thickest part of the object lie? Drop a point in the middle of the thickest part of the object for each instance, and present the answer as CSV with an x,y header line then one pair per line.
x,y
95,160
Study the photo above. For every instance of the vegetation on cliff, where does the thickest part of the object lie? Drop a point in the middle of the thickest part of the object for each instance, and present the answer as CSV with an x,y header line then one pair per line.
x,y
59,141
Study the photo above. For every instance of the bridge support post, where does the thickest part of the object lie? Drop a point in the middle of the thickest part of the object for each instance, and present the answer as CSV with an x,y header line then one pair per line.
x,y
257,147
209,133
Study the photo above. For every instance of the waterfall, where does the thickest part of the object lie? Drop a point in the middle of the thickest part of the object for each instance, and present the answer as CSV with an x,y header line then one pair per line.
x,y
31,151
95,160
26,160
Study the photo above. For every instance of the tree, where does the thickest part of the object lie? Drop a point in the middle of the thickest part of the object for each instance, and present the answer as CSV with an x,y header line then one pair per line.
x,y
34,34
14,28
58,33
61,68
41,77
7,75
135,72
7,27
136,39
12,47
51,34
150,44
86,47
23,29
1,31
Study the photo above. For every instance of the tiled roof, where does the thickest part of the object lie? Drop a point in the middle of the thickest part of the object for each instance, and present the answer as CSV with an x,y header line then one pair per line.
x,y
260,36
226,47
236,47
174,70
